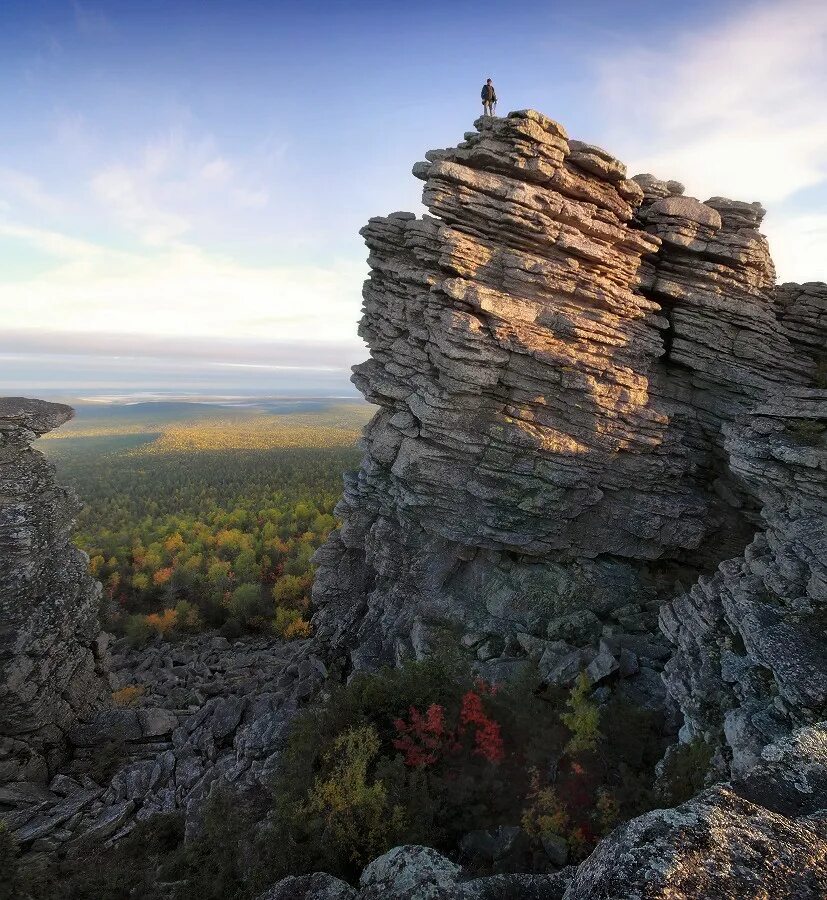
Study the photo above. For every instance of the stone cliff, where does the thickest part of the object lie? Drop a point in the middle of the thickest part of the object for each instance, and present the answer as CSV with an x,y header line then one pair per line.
x,y
590,394
52,655
597,410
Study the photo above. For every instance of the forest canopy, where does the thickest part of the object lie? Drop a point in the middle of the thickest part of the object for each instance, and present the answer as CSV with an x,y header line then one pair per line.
x,y
210,521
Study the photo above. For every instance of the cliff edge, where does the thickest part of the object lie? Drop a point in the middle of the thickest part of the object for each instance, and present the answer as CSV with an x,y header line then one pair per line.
x,y
52,653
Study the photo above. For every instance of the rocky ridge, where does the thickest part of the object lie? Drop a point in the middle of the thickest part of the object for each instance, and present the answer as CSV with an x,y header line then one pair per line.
x,y
597,412
204,714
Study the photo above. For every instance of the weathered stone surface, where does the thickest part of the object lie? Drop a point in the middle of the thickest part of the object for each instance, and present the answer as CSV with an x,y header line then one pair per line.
x,y
764,836
803,310
750,661
317,886
408,873
51,665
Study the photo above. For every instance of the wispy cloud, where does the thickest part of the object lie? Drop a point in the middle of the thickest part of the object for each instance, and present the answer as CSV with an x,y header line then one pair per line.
x,y
738,107
21,188
179,290
217,351
176,180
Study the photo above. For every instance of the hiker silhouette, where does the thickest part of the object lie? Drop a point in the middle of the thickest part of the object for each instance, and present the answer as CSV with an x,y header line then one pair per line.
x,y
489,98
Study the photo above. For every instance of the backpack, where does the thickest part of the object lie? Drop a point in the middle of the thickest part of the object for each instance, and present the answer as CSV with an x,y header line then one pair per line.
x,y
487,92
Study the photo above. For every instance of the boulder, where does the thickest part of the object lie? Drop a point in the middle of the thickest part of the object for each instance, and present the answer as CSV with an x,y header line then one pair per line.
x,y
409,872
317,886
761,836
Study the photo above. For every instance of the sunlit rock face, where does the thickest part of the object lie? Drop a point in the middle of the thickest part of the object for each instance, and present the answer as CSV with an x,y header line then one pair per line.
x,y
555,352
51,651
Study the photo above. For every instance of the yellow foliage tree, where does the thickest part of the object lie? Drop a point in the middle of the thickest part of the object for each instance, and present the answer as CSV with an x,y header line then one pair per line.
x,y
163,623
174,543
161,576
583,717
290,625
545,815
140,581
355,811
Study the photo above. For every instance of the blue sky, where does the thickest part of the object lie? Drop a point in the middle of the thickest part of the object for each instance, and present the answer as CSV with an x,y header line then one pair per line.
x,y
182,183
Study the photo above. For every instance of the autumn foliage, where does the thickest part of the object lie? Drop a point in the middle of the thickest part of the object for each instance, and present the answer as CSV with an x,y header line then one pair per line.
x,y
425,739
442,753
229,533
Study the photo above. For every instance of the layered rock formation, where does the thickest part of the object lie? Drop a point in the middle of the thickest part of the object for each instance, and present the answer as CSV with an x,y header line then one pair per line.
x,y
556,353
750,660
52,654
592,395
597,412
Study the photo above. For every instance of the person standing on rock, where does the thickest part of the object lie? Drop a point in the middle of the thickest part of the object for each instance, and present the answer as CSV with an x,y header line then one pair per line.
x,y
489,98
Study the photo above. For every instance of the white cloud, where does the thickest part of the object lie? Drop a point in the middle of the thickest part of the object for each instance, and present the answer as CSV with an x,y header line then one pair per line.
x,y
128,194
54,243
178,290
799,246
738,108
26,189
174,183
217,169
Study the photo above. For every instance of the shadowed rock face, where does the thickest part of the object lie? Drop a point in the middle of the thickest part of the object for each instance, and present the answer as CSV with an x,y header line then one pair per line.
x,y
750,657
50,646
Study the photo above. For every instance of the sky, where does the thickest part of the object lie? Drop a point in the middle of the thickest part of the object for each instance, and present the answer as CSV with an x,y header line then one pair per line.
x,y
182,182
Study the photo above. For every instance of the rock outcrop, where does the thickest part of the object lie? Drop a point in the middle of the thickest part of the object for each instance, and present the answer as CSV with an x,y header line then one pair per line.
x,y
52,653
556,354
592,395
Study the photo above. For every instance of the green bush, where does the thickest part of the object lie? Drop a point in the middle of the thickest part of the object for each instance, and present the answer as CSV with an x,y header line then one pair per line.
x,y
232,629
582,718
353,810
430,779
136,630
247,604
420,754
684,772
